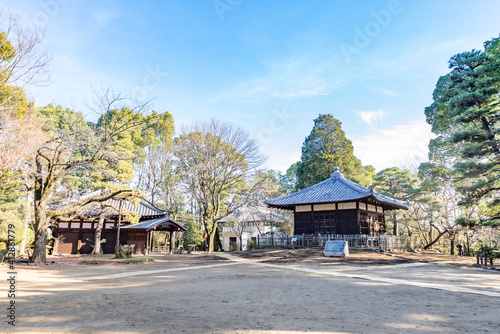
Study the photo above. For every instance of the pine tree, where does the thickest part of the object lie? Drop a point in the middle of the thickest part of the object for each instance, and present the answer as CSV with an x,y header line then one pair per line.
x,y
395,183
465,116
324,149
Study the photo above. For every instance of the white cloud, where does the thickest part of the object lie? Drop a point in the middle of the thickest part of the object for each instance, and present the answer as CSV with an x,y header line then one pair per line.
x,y
287,79
384,91
104,16
371,117
389,147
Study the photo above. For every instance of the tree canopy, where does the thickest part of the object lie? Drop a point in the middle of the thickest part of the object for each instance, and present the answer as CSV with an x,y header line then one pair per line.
x,y
465,116
325,148
215,160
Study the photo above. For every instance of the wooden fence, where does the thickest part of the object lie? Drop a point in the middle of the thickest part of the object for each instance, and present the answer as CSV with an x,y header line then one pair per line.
x,y
356,241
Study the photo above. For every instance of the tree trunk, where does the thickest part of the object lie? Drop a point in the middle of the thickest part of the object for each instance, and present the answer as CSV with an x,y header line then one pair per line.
x,y
241,242
171,243
211,237
41,233
22,247
218,244
98,234
430,238
452,245
395,229
435,240
43,188
468,242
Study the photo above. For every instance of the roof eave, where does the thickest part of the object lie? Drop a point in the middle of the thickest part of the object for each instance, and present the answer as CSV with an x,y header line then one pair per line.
x,y
391,205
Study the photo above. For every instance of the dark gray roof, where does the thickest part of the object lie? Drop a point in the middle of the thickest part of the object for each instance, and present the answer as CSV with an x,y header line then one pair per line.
x,y
143,208
112,206
335,189
163,223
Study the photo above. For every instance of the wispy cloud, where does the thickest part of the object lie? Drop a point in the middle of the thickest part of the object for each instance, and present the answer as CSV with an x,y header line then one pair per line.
x,y
104,16
388,147
383,91
288,79
371,117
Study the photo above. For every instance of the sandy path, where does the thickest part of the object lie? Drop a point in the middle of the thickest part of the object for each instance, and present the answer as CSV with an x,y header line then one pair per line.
x,y
188,294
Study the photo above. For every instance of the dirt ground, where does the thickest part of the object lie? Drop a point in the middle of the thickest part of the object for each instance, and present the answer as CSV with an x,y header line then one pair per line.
x,y
262,291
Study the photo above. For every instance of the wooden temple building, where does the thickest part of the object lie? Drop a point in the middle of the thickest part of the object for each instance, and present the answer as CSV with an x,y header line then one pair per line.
x,y
76,235
338,206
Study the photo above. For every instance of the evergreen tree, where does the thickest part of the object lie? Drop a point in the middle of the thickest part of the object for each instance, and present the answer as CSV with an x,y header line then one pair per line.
x,y
396,183
288,181
324,149
465,116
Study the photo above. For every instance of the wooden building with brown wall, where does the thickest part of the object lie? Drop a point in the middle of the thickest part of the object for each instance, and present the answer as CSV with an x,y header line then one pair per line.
x,y
338,206
76,236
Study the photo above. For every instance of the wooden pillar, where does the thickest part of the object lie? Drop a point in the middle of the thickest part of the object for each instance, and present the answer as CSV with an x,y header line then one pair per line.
x,y
146,248
358,219
313,223
395,228
80,238
119,224
337,227
152,241
385,225
170,247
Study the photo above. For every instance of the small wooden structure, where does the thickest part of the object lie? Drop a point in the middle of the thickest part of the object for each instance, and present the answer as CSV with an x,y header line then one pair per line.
x,y
253,222
338,206
76,236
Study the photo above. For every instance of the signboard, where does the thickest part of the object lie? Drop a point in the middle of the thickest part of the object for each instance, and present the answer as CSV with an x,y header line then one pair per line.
x,y
336,248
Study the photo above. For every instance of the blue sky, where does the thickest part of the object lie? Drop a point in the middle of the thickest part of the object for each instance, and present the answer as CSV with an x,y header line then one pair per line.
x,y
270,67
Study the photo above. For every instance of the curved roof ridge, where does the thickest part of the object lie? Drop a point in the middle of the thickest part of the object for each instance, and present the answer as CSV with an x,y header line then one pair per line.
x,y
151,206
152,223
354,185
389,199
300,191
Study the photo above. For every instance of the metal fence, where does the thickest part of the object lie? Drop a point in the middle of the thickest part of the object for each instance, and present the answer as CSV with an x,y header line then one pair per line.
x,y
356,241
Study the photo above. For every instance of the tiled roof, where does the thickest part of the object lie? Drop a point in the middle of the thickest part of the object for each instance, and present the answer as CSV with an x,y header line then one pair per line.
x,y
147,225
111,206
335,189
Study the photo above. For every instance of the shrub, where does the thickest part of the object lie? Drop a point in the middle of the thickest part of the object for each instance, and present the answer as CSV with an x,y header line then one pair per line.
x,y
123,252
251,244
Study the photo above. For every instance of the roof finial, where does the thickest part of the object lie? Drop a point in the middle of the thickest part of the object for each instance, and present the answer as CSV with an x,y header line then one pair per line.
x,y
337,174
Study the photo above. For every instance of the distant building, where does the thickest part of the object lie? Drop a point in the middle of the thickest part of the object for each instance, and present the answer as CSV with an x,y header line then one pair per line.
x,y
338,206
76,236
251,222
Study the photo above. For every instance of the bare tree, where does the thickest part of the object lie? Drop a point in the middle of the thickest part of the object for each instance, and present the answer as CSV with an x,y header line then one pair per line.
x,y
156,176
23,59
215,159
23,62
19,140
